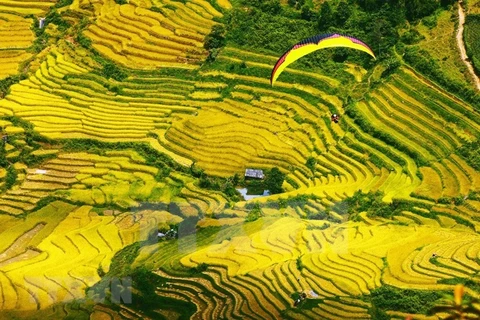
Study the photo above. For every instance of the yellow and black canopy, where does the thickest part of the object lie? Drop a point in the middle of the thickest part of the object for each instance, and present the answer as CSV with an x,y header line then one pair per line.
x,y
317,42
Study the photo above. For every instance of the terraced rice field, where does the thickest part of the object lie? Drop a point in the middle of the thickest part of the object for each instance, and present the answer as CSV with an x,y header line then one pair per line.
x,y
171,36
120,178
67,255
65,213
15,36
25,7
256,272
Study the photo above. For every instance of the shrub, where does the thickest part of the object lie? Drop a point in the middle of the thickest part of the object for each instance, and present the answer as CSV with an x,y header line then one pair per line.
x,y
311,162
391,65
84,41
471,153
254,214
216,38
404,300
199,269
3,155
111,70
371,203
55,18
6,83
411,36
11,177
274,180
63,3
472,32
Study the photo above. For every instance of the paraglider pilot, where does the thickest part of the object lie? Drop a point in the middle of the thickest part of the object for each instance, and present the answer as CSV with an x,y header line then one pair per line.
x,y
335,118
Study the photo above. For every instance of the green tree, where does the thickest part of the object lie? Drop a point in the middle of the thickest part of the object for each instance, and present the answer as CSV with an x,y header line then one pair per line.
x,y
3,155
307,13
254,214
235,179
11,177
343,12
417,9
325,19
272,7
311,162
110,70
274,181
216,38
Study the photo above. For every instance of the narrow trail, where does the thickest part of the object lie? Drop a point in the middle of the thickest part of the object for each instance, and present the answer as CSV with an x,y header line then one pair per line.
x,y
461,44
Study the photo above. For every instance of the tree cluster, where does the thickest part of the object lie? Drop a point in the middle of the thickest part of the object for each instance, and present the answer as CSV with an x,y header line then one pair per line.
x,y
405,300
214,41
471,153
268,24
371,203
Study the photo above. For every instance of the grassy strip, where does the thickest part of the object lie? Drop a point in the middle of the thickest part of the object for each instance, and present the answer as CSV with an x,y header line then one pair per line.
x,y
423,62
374,206
472,39
467,282
471,153
11,177
6,83
389,298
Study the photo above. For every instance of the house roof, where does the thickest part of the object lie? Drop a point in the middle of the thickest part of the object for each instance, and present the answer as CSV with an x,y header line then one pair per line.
x,y
254,173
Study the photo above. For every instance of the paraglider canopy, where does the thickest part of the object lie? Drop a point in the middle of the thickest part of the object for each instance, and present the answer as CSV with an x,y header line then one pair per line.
x,y
317,42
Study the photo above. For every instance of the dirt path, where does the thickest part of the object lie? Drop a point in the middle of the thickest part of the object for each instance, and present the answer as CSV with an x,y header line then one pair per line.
x,y
461,44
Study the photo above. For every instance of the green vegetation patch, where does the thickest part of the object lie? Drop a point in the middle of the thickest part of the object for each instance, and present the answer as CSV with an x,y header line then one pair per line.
x,y
34,142
144,284
472,39
373,204
467,282
422,61
6,83
404,300
471,153
11,177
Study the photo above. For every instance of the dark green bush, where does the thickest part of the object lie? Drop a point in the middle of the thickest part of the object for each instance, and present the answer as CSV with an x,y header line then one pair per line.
x,y
11,177
411,36
111,70
404,300
274,180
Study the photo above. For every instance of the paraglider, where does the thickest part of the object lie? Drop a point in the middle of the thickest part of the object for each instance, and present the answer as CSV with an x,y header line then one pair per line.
x,y
317,42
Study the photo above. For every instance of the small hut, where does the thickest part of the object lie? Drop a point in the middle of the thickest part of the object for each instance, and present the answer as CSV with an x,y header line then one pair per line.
x,y
254,173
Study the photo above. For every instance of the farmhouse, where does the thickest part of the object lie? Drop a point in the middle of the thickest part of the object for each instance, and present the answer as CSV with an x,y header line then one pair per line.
x,y
253,173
